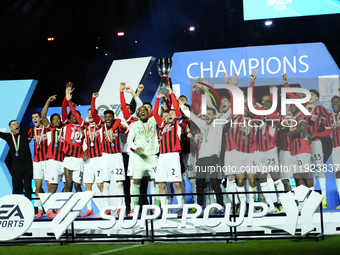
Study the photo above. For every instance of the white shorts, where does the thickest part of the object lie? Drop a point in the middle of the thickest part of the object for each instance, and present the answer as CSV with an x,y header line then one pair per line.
x,y
242,163
73,164
169,168
77,176
317,153
38,170
189,161
92,170
76,165
55,171
228,158
336,158
268,161
113,165
301,163
144,166
286,160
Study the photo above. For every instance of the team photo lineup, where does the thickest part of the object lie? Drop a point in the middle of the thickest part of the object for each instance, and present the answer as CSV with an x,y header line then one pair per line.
x,y
162,148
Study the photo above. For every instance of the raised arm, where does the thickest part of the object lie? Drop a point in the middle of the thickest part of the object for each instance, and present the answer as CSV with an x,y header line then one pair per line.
x,y
68,90
234,82
94,113
73,110
196,99
197,121
45,110
64,110
125,110
158,118
138,101
252,83
175,104
139,90
286,85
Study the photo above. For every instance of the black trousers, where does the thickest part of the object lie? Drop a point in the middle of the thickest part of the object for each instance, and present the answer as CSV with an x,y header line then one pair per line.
x,y
202,171
22,174
126,182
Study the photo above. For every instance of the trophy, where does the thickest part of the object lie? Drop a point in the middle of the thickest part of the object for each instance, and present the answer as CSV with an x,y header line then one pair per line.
x,y
164,66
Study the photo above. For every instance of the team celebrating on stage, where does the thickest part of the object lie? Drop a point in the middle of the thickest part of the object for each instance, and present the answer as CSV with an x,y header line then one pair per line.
x,y
169,144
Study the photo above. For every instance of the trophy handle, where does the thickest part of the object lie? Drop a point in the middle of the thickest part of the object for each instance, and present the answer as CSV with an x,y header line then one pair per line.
x,y
170,83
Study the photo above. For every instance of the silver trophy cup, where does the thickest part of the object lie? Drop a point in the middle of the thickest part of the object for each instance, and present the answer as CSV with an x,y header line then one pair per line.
x,y
164,66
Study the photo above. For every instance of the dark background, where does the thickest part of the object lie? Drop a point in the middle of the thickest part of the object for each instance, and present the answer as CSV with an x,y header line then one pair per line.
x,y
159,27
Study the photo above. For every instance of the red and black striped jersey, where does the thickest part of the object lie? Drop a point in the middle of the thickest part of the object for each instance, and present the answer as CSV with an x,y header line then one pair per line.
x,y
318,112
283,142
74,136
93,141
185,140
111,138
229,135
299,143
245,139
40,142
333,122
55,144
171,137
159,132
267,134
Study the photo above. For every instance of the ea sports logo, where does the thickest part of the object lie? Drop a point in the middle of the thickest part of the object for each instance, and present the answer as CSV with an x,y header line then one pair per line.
x,y
16,216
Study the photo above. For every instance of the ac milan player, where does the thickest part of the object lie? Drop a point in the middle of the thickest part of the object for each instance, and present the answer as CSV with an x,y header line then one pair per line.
x,y
55,155
91,156
244,144
128,155
318,113
143,140
112,159
228,141
285,158
169,165
38,134
333,122
266,149
300,148
74,136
